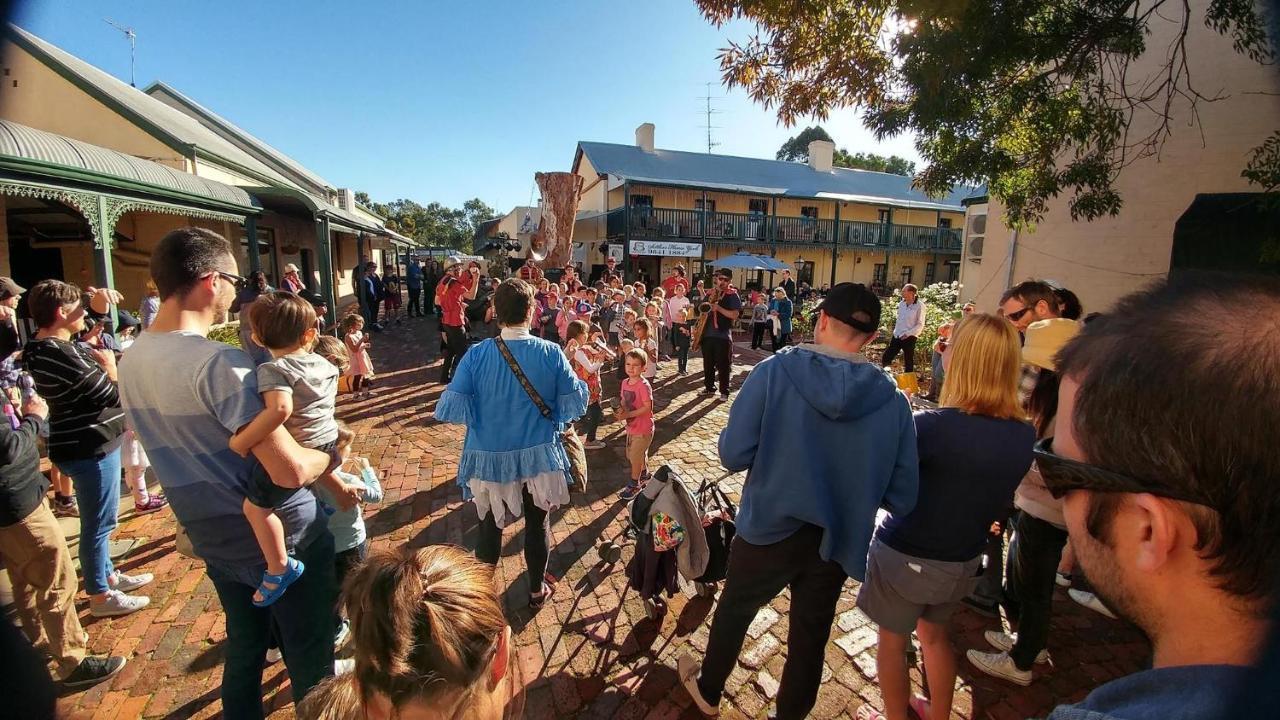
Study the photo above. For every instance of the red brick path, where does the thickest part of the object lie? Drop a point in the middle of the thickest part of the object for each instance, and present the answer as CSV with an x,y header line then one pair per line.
x,y
589,652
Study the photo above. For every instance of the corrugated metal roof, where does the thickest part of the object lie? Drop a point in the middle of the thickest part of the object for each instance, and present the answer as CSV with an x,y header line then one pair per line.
x,y
28,143
765,177
177,125
259,147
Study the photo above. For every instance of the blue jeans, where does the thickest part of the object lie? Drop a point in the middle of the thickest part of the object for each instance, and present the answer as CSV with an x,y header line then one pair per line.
x,y
97,486
303,618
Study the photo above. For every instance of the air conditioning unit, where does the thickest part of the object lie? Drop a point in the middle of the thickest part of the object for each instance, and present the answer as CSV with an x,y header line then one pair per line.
x,y
347,199
975,234
975,248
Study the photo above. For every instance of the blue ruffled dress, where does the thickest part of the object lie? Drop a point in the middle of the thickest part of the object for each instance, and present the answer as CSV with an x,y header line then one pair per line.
x,y
509,445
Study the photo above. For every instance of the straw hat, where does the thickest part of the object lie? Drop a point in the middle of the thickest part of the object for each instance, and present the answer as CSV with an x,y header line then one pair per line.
x,y
1045,338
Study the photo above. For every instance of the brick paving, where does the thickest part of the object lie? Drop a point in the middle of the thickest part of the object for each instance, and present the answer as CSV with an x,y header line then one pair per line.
x,y
589,652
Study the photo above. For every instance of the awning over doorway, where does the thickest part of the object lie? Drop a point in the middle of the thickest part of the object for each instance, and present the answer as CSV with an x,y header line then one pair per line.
x,y
104,184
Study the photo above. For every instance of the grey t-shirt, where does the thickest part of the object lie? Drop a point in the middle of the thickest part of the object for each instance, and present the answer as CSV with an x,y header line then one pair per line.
x,y
313,383
185,395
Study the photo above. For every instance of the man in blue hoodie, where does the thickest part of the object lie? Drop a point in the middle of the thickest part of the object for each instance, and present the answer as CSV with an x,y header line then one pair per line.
x,y
826,439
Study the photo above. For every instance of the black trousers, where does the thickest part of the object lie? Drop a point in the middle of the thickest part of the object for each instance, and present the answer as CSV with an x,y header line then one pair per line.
x,y
536,533
757,334
415,302
781,340
591,420
455,346
680,341
757,573
1033,562
908,347
716,356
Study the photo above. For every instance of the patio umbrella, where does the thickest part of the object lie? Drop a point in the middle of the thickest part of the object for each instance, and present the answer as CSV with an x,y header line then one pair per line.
x,y
749,261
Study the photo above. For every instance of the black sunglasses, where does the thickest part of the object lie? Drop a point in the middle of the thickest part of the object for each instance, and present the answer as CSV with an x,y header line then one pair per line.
x,y
1017,315
1062,475
239,281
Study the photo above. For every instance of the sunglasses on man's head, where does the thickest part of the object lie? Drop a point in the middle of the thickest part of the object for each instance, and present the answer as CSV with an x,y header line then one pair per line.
x,y
1062,475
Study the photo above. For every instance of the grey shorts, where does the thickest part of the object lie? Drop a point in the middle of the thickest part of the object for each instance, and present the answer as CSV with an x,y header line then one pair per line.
x,y
900,589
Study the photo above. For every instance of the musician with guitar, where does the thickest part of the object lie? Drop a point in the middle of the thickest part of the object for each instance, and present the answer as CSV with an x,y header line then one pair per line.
x,y
714,333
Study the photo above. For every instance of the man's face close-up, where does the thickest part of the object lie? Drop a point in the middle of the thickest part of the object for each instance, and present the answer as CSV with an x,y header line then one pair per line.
x,y
909,295
1018,313
225,290
1097,555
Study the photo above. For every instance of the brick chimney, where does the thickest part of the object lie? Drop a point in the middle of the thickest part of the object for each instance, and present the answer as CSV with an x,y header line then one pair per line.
x,y
644,137
820,155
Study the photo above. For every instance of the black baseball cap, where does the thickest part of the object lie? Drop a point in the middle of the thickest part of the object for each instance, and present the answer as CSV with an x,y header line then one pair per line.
x,y
724,273
847,300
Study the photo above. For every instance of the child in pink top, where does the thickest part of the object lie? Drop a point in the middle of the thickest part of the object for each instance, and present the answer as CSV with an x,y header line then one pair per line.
x,y
636,407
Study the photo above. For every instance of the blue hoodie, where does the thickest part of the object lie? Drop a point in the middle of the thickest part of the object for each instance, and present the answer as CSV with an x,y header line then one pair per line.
x,y
826,439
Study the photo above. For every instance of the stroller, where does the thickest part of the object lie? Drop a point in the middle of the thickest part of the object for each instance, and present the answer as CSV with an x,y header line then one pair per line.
x,y
665,519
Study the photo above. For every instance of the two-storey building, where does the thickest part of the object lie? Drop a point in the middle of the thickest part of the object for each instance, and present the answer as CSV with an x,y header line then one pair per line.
x,y
657,208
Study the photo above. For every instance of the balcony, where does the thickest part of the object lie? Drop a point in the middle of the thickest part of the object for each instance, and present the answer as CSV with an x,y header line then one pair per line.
x,y
747,228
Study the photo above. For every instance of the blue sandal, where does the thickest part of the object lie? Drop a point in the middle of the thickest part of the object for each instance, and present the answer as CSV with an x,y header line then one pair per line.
x,y
292,571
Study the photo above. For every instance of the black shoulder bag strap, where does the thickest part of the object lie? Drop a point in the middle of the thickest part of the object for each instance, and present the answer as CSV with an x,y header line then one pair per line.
x,y
524,381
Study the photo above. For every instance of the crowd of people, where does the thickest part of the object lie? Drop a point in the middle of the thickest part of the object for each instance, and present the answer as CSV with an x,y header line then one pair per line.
x,y
1111,452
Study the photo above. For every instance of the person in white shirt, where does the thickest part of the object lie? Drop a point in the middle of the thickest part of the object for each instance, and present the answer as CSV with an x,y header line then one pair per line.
x,y
906,330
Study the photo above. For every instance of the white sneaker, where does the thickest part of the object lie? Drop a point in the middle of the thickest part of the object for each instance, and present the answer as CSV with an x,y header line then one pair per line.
x,y
274,656
1063,580
129,583
344,666
1005,641
687,668
344,631
999,665
117,603
1092,602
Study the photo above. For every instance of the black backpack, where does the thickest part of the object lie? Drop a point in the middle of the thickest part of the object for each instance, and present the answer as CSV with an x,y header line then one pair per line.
x,y
720,531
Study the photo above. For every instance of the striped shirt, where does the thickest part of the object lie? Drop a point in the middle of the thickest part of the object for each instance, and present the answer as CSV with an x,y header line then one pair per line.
x,y
85,418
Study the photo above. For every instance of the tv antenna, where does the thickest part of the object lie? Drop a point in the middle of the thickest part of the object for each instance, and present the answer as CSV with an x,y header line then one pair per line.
x,y
133,45
709,112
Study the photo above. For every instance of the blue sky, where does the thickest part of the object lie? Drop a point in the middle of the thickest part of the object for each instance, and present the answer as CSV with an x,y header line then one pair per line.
x,y
438,101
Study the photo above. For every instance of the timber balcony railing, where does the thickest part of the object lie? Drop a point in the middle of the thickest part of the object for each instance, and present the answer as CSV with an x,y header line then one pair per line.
x,y
759,228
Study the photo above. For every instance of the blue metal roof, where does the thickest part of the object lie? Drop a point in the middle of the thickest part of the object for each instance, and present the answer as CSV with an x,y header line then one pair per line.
x,y
765,177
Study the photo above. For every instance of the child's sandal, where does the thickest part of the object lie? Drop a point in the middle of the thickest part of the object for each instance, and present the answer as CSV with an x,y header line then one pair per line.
x,y
292,571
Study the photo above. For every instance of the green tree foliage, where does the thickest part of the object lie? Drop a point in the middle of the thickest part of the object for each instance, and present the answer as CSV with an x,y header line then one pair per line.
x,y
797,149
1038,98
433,224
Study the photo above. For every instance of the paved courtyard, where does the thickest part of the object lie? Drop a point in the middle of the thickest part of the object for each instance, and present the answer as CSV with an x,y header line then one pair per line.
x,y
589,652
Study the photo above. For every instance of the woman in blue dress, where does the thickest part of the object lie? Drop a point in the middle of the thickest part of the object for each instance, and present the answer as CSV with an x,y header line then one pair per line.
x,y
513,461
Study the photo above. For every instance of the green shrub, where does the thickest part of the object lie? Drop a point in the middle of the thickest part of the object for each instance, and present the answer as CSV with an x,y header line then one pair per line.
x,y
941,302
228,333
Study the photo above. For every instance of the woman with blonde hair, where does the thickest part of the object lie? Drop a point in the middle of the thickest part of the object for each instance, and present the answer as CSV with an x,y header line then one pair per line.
x,y
974,450
430,641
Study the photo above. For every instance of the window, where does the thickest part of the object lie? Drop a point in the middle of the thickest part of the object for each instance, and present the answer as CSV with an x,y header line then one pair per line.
x,y
906,274
804,272
944,223
929,270
880,273
644,201
953,271
885,216
710,205
757,206
809,212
